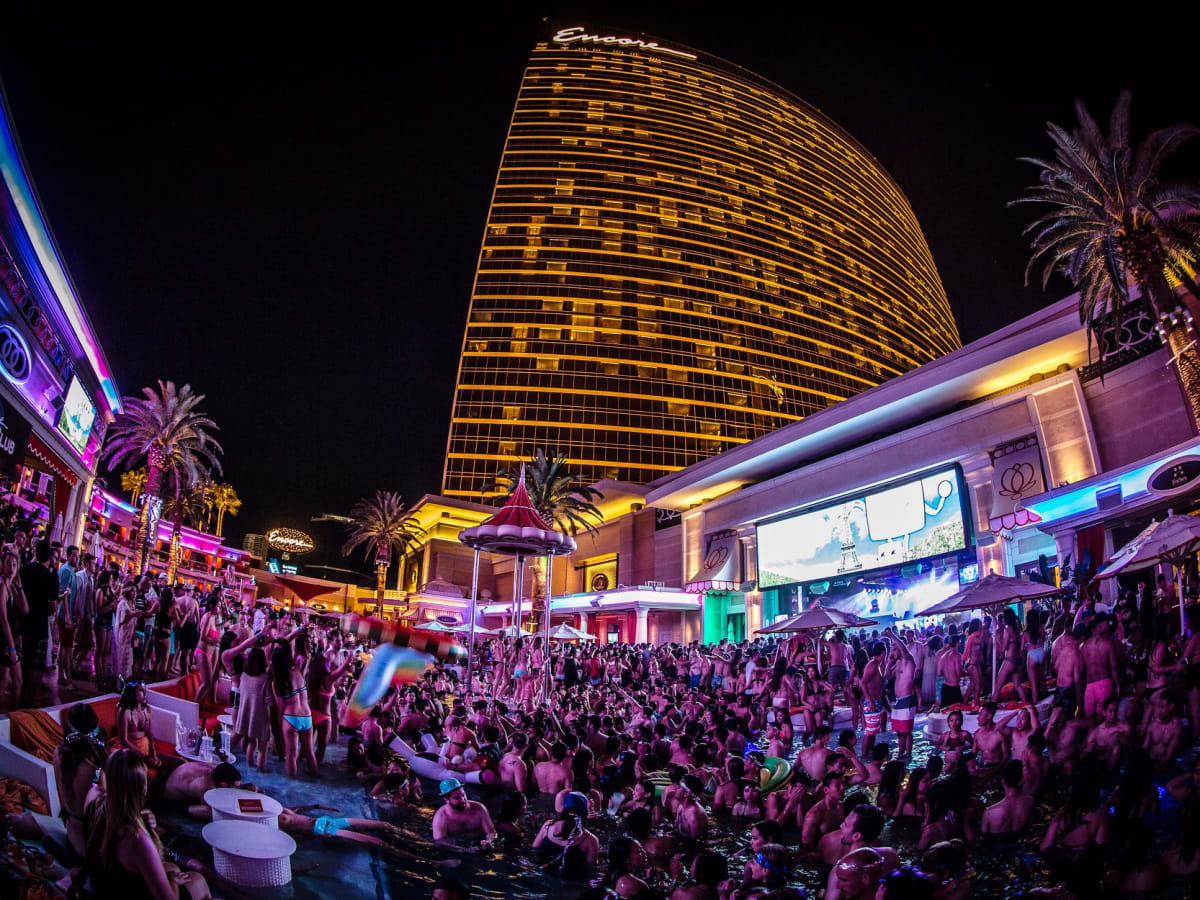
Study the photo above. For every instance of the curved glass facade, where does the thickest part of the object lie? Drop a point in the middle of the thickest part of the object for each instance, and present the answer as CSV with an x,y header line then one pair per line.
x,y
679,257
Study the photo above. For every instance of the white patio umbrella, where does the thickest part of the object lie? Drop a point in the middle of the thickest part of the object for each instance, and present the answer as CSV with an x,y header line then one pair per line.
x,y
1170,541
513,631
473,628
991,592
565,632
818,618
434,625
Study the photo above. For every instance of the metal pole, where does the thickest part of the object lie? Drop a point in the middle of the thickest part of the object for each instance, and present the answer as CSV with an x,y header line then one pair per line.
x,y
1179,591
546,626
518,589
471,623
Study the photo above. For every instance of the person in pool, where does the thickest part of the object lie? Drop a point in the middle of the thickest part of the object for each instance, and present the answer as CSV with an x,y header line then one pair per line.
x,y
459,818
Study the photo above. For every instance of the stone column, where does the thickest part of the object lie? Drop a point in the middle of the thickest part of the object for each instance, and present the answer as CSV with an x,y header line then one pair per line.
x,y
640,635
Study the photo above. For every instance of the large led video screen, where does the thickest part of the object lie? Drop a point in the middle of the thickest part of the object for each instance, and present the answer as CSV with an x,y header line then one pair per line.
x,y
78,415
915,519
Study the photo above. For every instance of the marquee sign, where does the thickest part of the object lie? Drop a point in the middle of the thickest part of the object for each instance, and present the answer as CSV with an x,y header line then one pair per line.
x,y
1175,477
576,34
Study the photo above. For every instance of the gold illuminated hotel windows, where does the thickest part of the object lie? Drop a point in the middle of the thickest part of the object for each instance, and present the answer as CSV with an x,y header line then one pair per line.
x,y
772,268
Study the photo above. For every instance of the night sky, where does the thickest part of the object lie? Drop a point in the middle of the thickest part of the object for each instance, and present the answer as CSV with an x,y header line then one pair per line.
x,y
286,212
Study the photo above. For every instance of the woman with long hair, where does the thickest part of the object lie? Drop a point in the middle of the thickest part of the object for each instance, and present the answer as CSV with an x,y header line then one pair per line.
x,y
10,659
78,765
106,608
888,797
291,696
1081,825
126,856
133,722
208,652
321,682
1035,651
626,860
161,635
252,726
913,802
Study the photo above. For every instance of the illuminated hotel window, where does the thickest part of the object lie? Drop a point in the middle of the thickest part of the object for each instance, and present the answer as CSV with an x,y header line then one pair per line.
x,y
766,248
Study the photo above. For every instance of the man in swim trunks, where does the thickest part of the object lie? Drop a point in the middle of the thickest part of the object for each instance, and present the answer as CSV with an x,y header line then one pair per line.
x,y
1100,666
973,654
950,671
1067,662
871,684
838,672
902,667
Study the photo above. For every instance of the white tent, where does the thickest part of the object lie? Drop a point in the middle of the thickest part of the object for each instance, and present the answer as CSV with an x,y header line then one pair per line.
x,y
565,632
468,628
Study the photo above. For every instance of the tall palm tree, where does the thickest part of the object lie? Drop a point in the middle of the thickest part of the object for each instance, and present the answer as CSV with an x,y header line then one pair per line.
x,y
1114,226
134,481
225,500
381,523
166,429
186,502
559,496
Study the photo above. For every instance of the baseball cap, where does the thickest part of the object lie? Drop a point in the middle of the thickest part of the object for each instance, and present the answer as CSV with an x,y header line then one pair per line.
x,y
450,785
575,803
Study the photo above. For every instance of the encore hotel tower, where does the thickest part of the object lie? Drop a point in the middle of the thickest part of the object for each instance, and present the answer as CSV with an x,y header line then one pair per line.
x,y
679,256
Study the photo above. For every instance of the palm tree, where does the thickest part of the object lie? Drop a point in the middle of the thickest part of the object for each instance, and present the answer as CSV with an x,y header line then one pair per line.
x,y
225,500
1114,226
174,438
190,502
560,498
381,522
134,481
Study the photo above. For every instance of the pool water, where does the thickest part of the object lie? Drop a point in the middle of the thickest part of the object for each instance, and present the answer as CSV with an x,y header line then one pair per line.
x,y
324,868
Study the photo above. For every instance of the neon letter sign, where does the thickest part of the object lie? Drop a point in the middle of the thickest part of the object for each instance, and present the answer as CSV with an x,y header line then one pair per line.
x,y
576,34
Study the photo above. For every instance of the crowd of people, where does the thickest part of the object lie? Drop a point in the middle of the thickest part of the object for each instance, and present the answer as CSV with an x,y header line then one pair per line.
x,y
726,772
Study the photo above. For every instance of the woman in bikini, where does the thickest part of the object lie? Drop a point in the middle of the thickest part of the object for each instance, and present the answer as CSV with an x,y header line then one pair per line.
x,y
291,696
133,723
207,653
1012,662
955,740
78,771
1035,652
321,681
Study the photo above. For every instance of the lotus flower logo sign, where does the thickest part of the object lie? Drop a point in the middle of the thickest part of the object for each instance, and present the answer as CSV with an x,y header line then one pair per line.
x,y
716,557
1018,476
1016,480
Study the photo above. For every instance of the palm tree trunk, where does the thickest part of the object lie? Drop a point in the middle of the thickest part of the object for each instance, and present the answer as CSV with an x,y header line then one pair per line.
x,y
1180,336
175,550
146,527
220,517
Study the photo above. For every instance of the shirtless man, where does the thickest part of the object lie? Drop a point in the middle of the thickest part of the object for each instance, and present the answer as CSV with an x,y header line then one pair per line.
x,y
950,672
991,744
973,655
514,773
1068,675
691,821
188,784
902,667
872,690
812,759
461,817
1100,666
730,791
838,670
1109,739
856,876
826,814
1036,765
1163,731
859,829
553,775
1010,815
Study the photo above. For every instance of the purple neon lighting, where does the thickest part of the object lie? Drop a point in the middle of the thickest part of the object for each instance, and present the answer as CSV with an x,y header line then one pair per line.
x,y
21,190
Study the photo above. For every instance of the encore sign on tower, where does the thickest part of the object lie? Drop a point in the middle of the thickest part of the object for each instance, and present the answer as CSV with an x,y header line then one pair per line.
x,y
576,34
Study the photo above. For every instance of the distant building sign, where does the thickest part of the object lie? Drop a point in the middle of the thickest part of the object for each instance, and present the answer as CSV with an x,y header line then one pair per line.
x,y
576,34
1175,477
28,307
14,354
